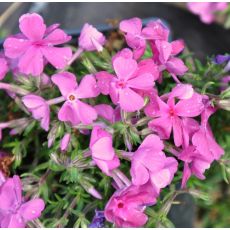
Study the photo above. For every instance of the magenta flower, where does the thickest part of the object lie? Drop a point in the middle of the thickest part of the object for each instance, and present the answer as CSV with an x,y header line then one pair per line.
x,y
195,163
170,116
74,110
103,154
206,10
121,88
14,211
164,55
204,140
126,207
91,39
39,108
36,45
3,67
136,36
149,163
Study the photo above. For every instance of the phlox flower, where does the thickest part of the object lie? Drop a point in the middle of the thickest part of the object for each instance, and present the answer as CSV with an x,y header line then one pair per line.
x,y
103,154
202,151
126,207
15,212
36,45
65,142
164,55
136,36
204,140
149,163
122,86
39,108
74,110
91,39
206,10
170,116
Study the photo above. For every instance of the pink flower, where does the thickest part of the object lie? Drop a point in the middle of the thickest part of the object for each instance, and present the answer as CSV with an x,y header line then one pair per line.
x,y
121,88
207,10
39,109
3,67
203,151
14,211
91,39
36,45
170,116
195,163
204,140
65,142
74,110
164,55
126,207
103,154
149,163
136,36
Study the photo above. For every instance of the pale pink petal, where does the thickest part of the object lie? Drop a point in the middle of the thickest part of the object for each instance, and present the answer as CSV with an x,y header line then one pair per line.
x,y
190,107
132,26
65,81
88,87
139,173
57,37
68,113
177,131
152,141
162,125
31,62
177,46
164,49
15,47
103,81
130,101
105,111
176,66
65,142
12,221
86,113
182,91
32,26
32,209
3,68
144,81
57,56
124,68
103,149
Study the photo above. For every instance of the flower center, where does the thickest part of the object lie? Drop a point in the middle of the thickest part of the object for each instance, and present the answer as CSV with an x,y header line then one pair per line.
x,y
120,205
72,97
121,84
171,112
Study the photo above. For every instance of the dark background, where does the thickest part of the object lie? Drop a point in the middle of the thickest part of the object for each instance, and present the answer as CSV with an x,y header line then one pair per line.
x,y
203,40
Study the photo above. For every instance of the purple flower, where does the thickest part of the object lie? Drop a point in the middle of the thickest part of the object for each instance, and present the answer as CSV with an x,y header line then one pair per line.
x,y
14,211
98,220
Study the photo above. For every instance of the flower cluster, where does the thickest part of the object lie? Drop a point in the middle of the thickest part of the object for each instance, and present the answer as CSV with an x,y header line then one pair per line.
x,y
174,125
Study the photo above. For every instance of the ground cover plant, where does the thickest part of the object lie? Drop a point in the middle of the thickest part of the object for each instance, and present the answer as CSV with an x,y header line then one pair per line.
x,y
108,130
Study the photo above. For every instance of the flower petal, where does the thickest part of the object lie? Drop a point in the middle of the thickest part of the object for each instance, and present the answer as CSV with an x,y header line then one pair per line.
x,y
130,101
32,26
65,81
57,37
131,26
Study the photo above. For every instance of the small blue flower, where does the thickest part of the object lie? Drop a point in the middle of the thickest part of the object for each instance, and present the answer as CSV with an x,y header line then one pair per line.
x,y
98,220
